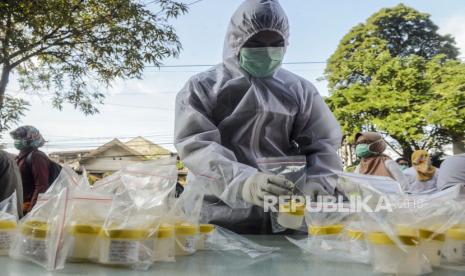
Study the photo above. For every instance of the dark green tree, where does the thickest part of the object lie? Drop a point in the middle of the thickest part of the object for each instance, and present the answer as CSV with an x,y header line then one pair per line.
x,y
381,79
70,48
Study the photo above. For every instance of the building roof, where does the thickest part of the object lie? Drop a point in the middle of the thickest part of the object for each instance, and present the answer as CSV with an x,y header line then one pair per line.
x,y
70,152
112,144
146,147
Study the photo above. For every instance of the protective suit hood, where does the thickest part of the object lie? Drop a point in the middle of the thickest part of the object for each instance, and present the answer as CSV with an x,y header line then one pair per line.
x,y
252,17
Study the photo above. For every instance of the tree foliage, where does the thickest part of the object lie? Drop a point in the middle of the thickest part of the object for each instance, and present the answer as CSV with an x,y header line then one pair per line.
x,y
70,48
395,74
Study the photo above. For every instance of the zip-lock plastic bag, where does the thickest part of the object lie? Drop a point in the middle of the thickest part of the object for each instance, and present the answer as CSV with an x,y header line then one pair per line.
x,y
293,168
338,239
68,179
109,185
221,239
392,232
87,216
41,236
185,216
8,223
131,227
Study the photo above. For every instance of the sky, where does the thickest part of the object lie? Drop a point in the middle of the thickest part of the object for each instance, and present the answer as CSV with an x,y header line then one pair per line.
x,y
145,107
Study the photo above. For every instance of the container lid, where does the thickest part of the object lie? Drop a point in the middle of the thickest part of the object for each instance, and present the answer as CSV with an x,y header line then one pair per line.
x,y
35,228
379,238
407,231
185,229
92,229
355,234
323,230
431,235
165,231
382,238
129,234
292,208
7,224
206,228
408,235
456,233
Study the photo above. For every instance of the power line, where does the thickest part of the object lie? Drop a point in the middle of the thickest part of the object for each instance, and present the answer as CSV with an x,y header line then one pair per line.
x,y
139,106
194,2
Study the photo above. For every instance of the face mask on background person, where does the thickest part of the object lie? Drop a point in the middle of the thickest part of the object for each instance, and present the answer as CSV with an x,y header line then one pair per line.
x,y
403,167
363,150
261,62
19,145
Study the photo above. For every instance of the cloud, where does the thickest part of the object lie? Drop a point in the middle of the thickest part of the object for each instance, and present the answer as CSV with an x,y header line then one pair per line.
x,y
455,25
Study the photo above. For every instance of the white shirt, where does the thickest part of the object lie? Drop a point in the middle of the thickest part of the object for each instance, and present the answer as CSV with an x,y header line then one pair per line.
x,y
421,187
452,172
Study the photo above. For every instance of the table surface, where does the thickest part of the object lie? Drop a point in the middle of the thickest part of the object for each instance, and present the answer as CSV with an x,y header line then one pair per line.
x,y
289,260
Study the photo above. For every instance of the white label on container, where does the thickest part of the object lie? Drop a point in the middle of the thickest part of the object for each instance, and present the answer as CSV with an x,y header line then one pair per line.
x,y
189,244
5,240
123,251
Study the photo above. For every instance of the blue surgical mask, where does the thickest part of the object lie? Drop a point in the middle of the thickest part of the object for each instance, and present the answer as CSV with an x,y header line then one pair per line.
x,y
261,62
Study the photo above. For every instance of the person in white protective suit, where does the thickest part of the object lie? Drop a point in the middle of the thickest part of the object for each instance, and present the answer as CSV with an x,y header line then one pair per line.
x,y
246,108
452,173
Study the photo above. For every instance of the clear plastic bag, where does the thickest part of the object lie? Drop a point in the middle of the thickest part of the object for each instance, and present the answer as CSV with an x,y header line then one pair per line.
x,y
184,214
8,223
293,168
222,239
87,216
41,236
326,224
138,208
68,179
392,229
109,185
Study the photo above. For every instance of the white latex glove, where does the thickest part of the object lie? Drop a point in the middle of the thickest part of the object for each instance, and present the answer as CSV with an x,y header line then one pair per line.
x,y
259,185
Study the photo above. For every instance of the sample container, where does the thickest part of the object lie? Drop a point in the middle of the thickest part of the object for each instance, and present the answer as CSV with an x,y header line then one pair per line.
x,y
186,236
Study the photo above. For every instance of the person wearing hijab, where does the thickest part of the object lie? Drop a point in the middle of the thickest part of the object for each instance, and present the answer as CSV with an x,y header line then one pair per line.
x,y
246,108
370,147
403,163
33,164
422,175
452,172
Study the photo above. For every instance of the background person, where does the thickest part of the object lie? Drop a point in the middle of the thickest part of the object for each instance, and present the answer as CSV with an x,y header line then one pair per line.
x,y
452,172
403,163
10,180
370,147
33,164
422,175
